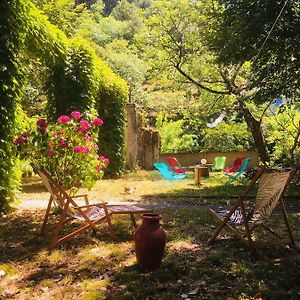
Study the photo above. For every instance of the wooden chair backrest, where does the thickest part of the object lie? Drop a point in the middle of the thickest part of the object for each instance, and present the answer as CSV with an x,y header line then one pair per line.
x,y
271,186
58,194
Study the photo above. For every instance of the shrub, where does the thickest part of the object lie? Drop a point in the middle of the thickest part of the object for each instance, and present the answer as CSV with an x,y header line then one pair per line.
x,y
228,137
66,149
173,137
13,20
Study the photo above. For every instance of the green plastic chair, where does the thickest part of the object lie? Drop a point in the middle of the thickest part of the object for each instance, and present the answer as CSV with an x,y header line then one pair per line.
x,y
219,163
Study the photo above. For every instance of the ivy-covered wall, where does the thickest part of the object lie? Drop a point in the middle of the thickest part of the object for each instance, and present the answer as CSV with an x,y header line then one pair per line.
x,y
13,19
71,84
111,106
76,80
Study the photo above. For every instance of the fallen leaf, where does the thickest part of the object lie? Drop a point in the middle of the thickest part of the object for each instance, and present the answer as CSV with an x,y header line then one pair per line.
x,y
194,292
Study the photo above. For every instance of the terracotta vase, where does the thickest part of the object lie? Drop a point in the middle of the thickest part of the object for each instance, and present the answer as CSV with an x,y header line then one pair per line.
x,y
150,242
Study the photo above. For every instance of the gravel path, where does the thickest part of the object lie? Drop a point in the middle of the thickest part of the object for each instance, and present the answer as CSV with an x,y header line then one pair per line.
x,y
42,204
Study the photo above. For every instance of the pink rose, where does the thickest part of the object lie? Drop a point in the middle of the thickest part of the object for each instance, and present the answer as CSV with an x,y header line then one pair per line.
x,y
18,141
41,123
98,168
86,149
62,143
82,130
89,139
76,115
26,134
84,124
97,122
50,153
104,159
78,149
63,119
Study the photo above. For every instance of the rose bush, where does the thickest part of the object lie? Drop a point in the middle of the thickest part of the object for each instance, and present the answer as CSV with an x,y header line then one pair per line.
x,y
66,149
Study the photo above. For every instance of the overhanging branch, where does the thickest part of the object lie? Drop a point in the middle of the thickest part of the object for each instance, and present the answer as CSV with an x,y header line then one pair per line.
x,y
199,84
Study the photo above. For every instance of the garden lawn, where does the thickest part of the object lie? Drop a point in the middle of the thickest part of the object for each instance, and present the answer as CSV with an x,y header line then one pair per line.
x,y
97,267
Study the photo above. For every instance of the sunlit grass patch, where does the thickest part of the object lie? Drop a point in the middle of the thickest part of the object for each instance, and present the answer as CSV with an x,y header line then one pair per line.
x,y
94,289
182,245
7,270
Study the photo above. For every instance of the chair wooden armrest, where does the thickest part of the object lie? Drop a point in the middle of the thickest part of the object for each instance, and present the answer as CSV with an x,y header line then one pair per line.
x,y
84,196
78,196
102,204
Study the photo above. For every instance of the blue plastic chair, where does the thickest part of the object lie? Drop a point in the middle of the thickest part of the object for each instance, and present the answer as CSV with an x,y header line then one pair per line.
x,y
167,173
239,174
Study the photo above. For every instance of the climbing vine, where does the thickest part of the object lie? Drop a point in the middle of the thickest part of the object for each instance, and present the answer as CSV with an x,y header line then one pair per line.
x,y
13,20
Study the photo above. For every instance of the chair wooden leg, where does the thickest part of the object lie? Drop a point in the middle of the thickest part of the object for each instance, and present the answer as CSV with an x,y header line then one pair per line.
x,y
108,216
58,227
133,220
286,221
57,241
46,215
226,224
223,222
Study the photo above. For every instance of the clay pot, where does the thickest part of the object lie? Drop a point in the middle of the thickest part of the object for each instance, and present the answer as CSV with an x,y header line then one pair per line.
x,y
150,242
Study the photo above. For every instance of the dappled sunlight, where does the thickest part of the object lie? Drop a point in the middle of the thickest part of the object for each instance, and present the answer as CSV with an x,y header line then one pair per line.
x,y
98,267
94,288
183,245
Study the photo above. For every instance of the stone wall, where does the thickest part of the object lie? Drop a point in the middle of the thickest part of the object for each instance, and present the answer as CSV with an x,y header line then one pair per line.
x,y
149,144
131,136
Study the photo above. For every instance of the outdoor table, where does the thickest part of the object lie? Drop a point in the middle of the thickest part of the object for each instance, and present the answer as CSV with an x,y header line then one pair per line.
x,y
198,171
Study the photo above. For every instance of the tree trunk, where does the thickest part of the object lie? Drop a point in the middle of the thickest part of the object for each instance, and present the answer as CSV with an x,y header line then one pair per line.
x,y
256,131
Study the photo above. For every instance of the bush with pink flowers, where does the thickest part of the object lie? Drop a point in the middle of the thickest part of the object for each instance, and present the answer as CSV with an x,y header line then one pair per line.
x,y
67,149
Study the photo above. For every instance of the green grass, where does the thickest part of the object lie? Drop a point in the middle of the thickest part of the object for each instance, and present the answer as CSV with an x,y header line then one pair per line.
x,y
97,267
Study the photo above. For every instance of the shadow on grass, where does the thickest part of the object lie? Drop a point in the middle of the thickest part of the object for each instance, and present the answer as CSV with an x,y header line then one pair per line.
x,y
20,237
213,195
222,270
192,270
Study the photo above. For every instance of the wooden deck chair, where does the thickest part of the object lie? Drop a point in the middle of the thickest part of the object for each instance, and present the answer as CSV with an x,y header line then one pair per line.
x,y
90,214
272,184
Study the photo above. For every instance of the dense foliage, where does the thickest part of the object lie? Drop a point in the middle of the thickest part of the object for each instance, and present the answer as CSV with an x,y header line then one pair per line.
x,y
71,84
111,106
13,29
275,56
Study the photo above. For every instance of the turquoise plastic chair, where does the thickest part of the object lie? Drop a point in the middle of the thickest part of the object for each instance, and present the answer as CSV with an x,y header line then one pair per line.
x,y
219,164
240,172
167,173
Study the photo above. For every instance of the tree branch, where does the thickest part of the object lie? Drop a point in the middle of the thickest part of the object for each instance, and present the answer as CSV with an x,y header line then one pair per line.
x,y
199,84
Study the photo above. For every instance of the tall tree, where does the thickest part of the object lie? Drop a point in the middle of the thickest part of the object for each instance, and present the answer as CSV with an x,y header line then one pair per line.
x,y
265,33
205,42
